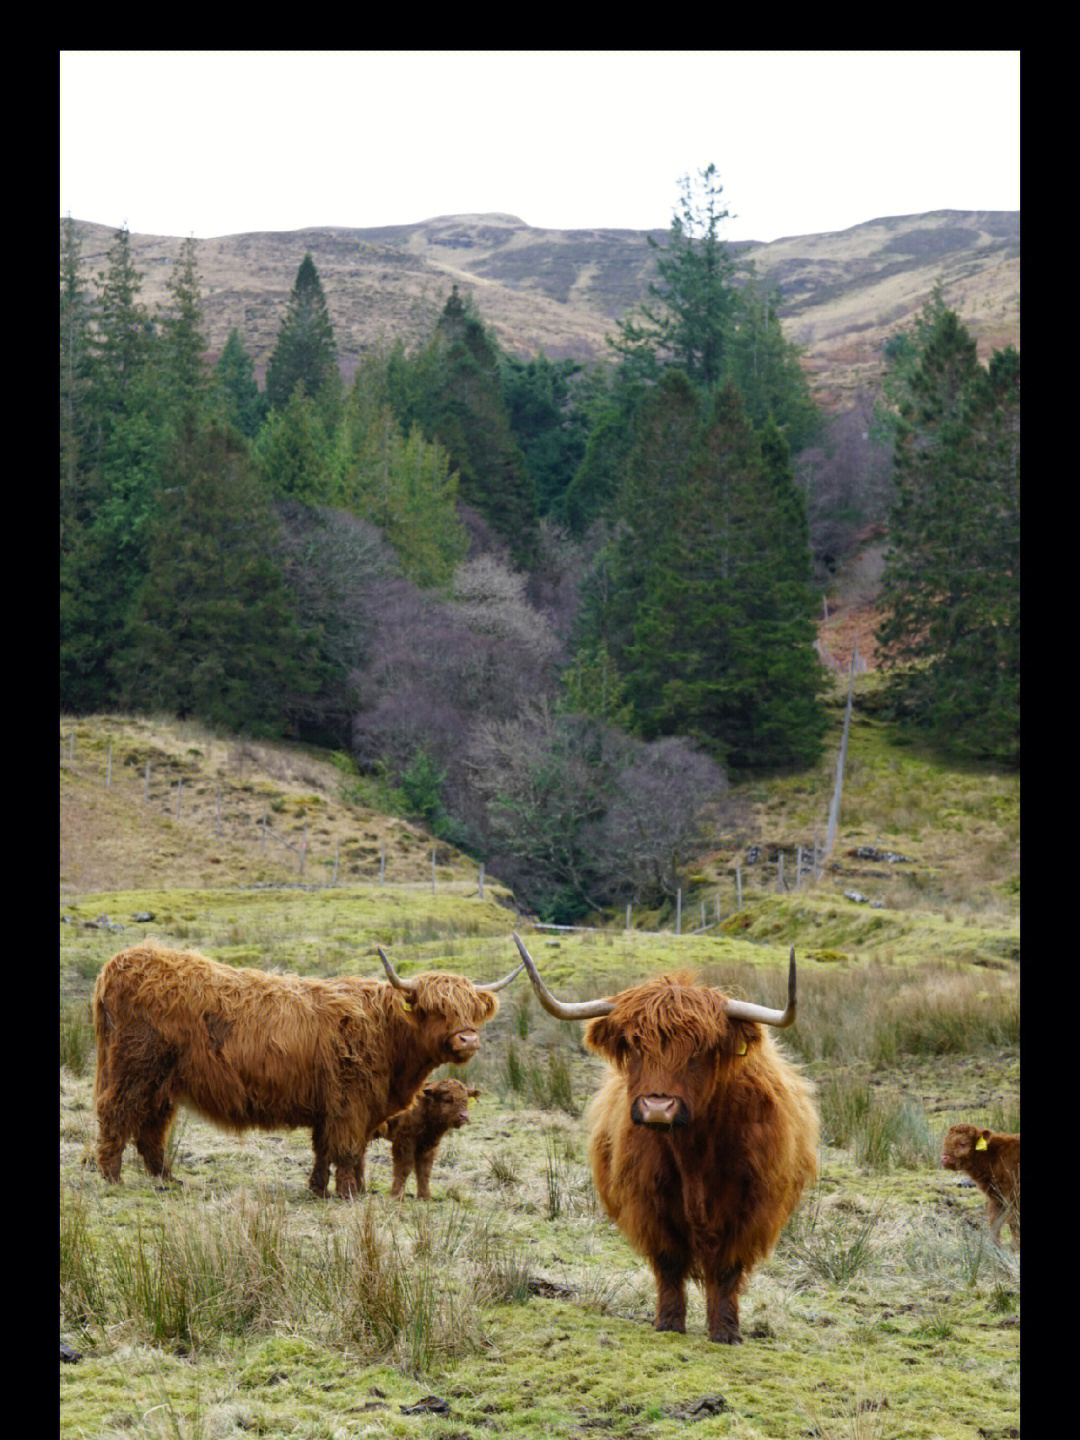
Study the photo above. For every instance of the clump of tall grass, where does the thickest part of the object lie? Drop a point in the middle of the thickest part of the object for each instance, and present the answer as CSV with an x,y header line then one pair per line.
x,y
878,1014
76,1038
893,1132
843,1098
192,1278
945,1014
834,1243
882,1127
957,1249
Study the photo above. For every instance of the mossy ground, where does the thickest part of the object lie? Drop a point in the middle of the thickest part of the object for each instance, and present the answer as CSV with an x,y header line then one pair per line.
x,y
883,1311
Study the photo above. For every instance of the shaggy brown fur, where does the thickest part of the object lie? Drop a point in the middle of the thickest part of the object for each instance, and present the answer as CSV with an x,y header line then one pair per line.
x,y
703,1137
244,1049
993,1162
416,1133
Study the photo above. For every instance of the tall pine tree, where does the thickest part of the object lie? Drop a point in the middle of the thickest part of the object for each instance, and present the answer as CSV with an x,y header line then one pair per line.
x,y
211,633
709,609
306,351
952,573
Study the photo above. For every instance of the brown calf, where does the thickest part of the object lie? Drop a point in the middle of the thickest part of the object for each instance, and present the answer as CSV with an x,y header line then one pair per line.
x,y
993,1162
415,1134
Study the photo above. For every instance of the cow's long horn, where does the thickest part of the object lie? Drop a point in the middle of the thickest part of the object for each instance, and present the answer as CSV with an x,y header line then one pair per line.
x,y
407,985
395,978
742,1010
502,984
562,1009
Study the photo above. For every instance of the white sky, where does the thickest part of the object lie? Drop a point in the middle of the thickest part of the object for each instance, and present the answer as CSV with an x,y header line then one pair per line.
x,y
217,143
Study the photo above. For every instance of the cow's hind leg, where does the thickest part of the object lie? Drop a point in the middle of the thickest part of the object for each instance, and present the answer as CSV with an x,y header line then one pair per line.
x,y
110,1148
152,1139
722,1306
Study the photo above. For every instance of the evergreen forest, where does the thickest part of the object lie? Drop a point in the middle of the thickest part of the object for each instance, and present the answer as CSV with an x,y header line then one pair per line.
x,y
559,608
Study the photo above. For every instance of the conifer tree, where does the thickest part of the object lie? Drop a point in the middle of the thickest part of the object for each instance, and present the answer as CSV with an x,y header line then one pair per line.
x,y
690,321
185,378
297,454
243,403
211,633
125,436
952,573
406,488
709,609
306,351
75,379
454,390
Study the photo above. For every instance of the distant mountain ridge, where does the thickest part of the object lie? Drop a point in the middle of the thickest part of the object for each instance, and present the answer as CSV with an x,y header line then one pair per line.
x,y
560,291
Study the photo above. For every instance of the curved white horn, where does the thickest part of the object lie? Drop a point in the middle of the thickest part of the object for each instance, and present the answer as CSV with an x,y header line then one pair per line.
x,y
561,1009
743,1010
395,978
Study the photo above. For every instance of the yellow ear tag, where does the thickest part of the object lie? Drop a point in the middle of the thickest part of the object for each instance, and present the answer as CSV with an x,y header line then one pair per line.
x,y
980,1144
742,1048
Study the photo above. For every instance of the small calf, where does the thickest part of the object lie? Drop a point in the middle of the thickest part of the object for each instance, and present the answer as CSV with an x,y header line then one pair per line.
x,y
415,1133
993,1162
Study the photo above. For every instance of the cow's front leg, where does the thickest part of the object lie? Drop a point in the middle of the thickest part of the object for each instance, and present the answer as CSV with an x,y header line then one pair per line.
x,y
319,1178
670,1271
722,1305
350,1175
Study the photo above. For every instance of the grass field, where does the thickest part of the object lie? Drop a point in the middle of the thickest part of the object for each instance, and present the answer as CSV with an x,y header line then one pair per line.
x,y
240,1305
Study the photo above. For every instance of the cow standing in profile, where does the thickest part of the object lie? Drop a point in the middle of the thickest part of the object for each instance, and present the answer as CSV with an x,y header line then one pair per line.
x,y
702,1137
416,1133
993,1162
246,1049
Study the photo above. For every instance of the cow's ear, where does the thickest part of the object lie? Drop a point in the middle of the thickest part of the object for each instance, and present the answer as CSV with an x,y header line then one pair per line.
x,y
980,1143
608,1037
473,1092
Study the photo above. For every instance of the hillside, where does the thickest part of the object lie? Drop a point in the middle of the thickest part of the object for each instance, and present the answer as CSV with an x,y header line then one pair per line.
x,y
559,291
150,804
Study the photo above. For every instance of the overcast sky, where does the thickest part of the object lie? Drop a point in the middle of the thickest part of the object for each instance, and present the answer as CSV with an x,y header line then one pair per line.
x,y
217,143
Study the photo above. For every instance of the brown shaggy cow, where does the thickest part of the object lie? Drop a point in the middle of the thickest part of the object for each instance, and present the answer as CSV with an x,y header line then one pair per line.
x,y
703,1135
415,1134
993,1162
244,1048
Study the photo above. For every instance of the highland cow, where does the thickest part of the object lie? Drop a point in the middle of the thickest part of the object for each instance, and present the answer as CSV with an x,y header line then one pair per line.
x,y
246,1049
993,1162
703,1136
416,1133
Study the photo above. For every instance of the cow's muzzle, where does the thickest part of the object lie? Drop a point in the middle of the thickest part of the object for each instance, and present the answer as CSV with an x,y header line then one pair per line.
x,y
465,1044
663,1112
